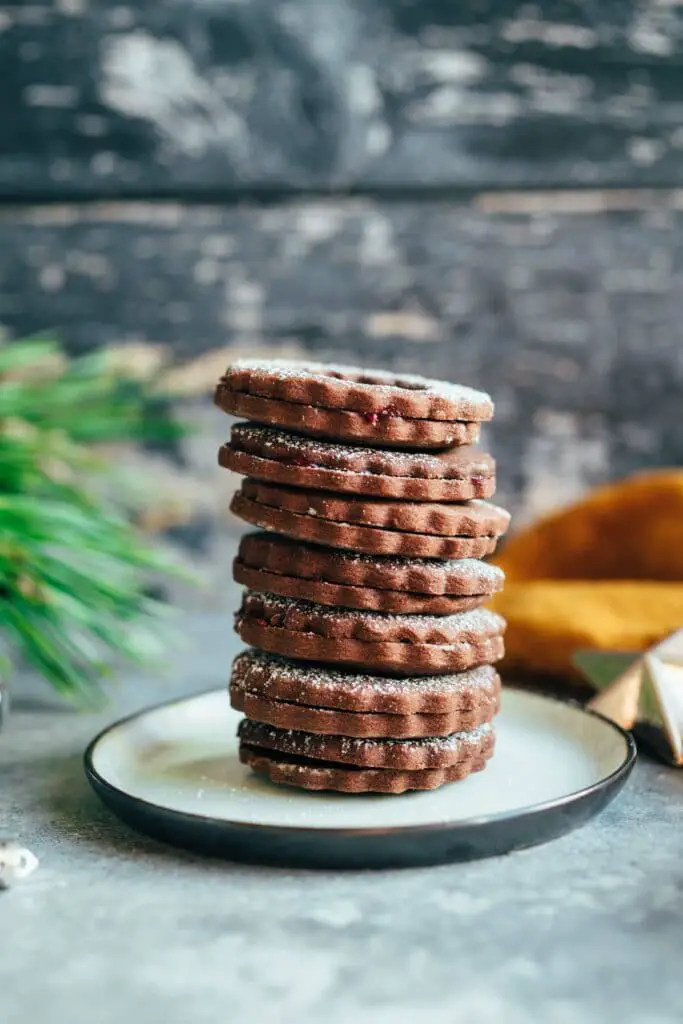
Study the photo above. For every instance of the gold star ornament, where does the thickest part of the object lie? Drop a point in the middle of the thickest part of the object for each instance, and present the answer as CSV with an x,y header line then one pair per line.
x,y
642,692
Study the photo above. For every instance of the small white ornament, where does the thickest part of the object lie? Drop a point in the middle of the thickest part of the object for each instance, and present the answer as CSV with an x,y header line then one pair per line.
x,y
16,863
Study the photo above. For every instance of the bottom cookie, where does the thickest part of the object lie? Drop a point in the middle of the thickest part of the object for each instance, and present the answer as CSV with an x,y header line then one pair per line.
x,y
306,773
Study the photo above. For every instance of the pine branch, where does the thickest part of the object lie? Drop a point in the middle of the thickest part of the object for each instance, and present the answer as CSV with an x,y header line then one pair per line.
x,y
73,571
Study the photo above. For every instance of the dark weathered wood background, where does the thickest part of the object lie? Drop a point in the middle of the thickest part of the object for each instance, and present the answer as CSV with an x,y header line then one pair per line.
x,y
230,95
485,191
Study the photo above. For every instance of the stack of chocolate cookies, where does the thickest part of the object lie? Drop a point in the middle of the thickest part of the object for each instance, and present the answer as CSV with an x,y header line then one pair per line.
x,y
371,668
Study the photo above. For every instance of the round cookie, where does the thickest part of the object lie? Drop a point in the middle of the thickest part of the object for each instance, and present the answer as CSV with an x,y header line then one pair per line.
x,y
309,526
266,453
311,775
341,596
462,577
408,754
473,694
349,404
385,428
401,644
285,715
444,519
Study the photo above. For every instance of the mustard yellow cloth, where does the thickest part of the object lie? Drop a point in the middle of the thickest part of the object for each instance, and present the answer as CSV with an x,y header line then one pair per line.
x,y
606,573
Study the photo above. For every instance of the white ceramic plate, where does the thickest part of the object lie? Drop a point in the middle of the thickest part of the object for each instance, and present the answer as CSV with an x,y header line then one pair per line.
x,y
173,773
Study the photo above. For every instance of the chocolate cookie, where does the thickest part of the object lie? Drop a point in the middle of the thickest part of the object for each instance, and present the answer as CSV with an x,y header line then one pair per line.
x,y
285,558
384,427
308,526
269,454
350,404
339,596
315,775
407,755
444,519
402,644
473,694
286,715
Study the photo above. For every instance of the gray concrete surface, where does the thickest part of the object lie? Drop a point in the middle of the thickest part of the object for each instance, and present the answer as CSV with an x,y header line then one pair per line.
x,y
116,928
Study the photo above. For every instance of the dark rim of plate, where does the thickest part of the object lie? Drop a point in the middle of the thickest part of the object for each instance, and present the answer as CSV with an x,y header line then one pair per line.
x,y
606,783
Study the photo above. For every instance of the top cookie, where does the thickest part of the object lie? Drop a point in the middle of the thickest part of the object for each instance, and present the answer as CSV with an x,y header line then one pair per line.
x,y
346,403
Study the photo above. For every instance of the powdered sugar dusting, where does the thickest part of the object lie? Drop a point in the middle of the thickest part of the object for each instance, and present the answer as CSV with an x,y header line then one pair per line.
x,y
303,743
260,671
272,443
463,568
284,369
470,569
476,621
